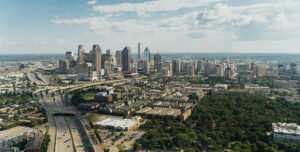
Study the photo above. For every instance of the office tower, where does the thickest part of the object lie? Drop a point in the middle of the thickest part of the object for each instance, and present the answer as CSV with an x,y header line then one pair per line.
x,y
81,54
176,66
141,65
259,71
243,67
119,58
220,69
108,51
199,66
167,69
64,66
229,73
272,70
69,56
252,66
86,72
191,70
147,56
139,50
126,58
147,59
183,67
96,57
108,61
157,61
245,76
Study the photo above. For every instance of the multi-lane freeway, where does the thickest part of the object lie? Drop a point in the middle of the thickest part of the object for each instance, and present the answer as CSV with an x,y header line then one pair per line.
x,y
66,134
36,78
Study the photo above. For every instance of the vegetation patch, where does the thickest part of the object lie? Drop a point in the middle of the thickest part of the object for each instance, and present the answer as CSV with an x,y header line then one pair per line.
x,y
218,123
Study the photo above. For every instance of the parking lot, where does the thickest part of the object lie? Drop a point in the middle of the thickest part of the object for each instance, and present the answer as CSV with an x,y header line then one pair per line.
x,y
114,139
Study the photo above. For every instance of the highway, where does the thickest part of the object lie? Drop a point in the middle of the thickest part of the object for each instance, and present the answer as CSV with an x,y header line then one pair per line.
x,y
65,132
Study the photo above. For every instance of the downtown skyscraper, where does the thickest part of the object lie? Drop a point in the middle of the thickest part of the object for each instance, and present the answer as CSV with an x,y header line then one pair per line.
x,y
158,61
126,59
139,50
96,58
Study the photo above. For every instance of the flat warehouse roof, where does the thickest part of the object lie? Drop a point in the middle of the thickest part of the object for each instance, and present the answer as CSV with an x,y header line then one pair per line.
x,y
13,132
288,128
116,122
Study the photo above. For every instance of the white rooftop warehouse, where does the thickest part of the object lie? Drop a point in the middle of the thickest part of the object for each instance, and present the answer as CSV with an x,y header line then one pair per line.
x,y
114,123
286,132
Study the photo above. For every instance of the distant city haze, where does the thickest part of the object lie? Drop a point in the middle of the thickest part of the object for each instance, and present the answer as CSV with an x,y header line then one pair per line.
x,y
165,26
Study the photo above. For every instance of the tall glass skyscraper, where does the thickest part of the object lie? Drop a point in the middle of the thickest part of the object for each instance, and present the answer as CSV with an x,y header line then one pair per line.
x,y
147,60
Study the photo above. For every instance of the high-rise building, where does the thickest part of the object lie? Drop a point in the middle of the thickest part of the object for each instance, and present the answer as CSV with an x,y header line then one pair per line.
x,y
199,66
209,68
141,66
64,66
252,66
259,71
86,72
96,58
157,61
69,56
176,66
245,77
191,70
220,69
109,61
229,73
126,58
139,50
81,54
281,69
167,69
243,67
119,58
147,59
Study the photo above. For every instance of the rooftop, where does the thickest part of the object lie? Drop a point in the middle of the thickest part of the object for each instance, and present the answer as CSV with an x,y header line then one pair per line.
x,y
288,128
13,132
117,122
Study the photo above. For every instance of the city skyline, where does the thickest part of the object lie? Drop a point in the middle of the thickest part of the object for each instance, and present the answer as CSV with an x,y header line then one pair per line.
x,y
186,25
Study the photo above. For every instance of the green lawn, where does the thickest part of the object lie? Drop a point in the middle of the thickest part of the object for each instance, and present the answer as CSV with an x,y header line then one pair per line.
x,y
89,96
120,147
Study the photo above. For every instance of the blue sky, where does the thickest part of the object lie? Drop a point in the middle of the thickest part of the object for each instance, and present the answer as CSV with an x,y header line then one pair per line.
x,y
56,26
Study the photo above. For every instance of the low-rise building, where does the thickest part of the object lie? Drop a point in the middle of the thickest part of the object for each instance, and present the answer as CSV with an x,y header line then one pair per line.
x,y
14,135
284,84
107,96
158,111
120,124
286,132
35,143
256,90
185,115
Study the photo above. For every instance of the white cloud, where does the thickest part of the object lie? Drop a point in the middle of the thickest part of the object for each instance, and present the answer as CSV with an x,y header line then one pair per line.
x,y
92,2
104,25
152,6
219,27
222,14
267,21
